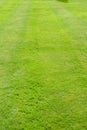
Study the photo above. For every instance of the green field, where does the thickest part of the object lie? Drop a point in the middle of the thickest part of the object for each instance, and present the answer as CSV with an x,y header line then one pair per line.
x,y
43,65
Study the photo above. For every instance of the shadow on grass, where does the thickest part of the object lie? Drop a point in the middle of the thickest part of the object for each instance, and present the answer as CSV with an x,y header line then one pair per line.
x,y
65,1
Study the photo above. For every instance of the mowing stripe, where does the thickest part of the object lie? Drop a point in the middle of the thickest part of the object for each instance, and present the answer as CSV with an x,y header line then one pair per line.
x,y
78,33
10,37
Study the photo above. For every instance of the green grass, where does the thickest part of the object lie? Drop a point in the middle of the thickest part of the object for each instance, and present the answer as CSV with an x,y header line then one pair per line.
x,y
43,65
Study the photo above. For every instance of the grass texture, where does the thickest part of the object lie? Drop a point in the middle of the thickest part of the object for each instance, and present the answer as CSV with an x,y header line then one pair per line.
x,y
43,65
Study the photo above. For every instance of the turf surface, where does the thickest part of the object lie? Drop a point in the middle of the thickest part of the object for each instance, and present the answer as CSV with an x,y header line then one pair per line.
x,y
43,65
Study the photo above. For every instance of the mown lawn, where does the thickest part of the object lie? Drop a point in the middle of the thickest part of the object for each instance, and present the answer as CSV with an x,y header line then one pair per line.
x,y
43,65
